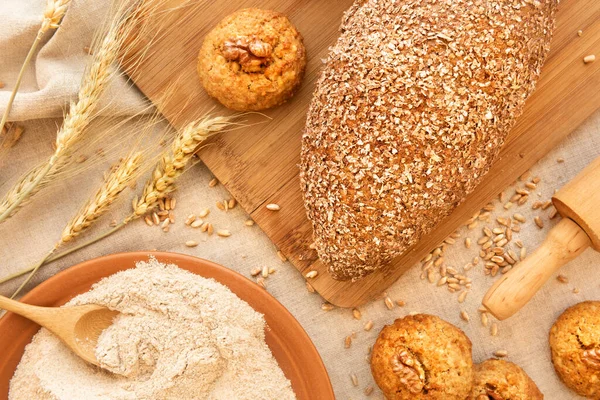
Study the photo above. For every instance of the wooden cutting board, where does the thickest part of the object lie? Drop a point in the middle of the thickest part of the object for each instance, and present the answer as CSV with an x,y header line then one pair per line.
x,y
258,164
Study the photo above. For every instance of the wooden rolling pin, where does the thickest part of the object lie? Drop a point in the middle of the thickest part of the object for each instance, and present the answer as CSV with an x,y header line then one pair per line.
x,y
579,204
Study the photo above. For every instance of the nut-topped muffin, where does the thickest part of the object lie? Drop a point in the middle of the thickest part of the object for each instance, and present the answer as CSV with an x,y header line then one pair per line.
x,y
253,60
503,380
575,345
422,357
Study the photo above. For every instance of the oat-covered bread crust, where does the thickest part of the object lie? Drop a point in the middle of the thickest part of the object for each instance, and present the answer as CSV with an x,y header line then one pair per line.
x,y
413,106
422,357
253,60
575,346
503,380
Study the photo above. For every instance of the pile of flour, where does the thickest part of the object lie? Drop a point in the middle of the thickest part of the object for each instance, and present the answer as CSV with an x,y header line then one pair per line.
x,y
179,336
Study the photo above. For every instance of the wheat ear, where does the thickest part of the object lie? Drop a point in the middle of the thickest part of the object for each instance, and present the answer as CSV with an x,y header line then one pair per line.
x,y
162,182
117,181
80,113
55,10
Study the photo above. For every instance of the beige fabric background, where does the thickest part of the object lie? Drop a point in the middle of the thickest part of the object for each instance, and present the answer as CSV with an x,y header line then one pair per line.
x,y
53,79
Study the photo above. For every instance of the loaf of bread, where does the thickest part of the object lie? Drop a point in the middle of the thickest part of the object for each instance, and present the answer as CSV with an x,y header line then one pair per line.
x,y
413,105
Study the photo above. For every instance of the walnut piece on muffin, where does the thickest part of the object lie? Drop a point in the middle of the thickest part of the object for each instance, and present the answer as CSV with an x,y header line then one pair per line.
x,y
253,60
503,380
575,345
422,357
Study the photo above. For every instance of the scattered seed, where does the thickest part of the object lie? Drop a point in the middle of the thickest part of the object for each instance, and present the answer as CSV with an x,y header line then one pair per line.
x,y
494,329
223,233
265,272
311,274
255,271
442,281
520,217
354,380
210,229
369,390
580,33
539,222
523,253
576,290
327,306
272,270
388,302
464,316
204,213
165,223
148,220
468,243
400,303
553,213
501,353
347,342
589,59
197,223
462,296
113,223
484,319
562,278
232,203
508,205
273,207
191,243
220,206
356,313
249,222
171,217
213,182
155,218
190,218
173,202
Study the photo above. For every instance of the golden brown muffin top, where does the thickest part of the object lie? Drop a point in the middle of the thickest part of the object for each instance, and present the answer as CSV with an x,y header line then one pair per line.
x,y
575,346
503,380
422,357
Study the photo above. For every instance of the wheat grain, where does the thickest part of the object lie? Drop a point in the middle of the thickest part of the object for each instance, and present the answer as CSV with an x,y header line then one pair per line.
x,y
163,178
81,112
116,182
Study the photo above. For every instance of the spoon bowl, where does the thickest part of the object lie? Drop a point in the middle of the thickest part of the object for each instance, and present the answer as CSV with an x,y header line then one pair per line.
x,y
78,327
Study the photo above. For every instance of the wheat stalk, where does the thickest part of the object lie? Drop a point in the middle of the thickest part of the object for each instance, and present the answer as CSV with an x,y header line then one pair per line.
x,y
117,181
55,10
162,182
80,113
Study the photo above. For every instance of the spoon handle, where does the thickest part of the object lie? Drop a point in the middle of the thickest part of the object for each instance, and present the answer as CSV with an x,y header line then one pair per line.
x,y
37,314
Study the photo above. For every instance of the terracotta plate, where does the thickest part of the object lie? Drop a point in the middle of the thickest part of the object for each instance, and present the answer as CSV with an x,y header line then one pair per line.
x,y
291,346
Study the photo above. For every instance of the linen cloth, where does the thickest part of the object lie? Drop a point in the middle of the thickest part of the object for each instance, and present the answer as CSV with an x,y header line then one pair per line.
x,y
52,80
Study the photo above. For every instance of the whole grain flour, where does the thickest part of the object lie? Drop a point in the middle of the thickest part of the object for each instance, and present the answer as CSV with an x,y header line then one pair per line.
x,y
179,336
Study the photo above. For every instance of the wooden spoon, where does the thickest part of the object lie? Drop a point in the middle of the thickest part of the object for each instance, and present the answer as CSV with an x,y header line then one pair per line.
x,y
78,327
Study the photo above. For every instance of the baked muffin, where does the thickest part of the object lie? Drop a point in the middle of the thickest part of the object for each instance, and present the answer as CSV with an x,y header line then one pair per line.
x,y
422,357
575,346
253,60
503,380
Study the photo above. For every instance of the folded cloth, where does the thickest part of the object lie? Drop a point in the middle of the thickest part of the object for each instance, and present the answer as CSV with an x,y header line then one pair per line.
x,y
53,77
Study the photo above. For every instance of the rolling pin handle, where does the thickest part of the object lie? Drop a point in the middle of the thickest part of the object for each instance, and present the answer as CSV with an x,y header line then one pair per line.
x,y
508,295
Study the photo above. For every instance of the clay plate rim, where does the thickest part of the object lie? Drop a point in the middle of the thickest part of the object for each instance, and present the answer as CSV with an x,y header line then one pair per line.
x,y
290,344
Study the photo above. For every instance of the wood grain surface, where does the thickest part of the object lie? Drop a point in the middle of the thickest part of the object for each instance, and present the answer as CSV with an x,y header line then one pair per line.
x,y
258,164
